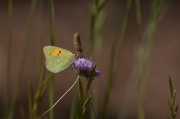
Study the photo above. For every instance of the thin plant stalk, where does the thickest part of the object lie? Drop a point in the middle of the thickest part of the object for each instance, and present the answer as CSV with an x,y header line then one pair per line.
x,y
155,12
138,17
96,22
140,72
40,77
51,88
138,20
30,98
98,48
94,110
60,98
40,45
115,54
51,6
23,116
23,59
171,101
39,94
94,13
10,12
73,105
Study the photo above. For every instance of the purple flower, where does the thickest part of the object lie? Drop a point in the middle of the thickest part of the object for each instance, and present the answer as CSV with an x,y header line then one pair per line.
x,y
84,66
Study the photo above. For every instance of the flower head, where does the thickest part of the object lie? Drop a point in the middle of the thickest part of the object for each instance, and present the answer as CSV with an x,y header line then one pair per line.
x,y
84,66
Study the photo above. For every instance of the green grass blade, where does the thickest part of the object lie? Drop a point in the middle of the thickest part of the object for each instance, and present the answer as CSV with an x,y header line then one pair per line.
x,y
176,109
23,115
85,106
172,102
79,110
115,52
40,46
23,59
145,48
73,106
170,87
95,9
87,102
97,34
51,6
51,97
51,88
138,17
98,16
30,98
10,12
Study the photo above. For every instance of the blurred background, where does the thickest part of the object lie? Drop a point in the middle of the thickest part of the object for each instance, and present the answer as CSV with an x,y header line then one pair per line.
x,y
74,16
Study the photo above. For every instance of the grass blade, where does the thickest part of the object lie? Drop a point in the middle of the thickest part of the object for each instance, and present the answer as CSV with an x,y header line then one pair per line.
x,y
73,106
116,49
23,115
51,88
95,9
40,46
23,59
170,87
30,98
10,12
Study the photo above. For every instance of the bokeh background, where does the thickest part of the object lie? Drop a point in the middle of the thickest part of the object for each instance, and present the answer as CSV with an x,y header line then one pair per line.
x,y
73,16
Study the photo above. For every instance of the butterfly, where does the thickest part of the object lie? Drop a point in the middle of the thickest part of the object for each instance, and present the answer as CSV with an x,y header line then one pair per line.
x,y
57,59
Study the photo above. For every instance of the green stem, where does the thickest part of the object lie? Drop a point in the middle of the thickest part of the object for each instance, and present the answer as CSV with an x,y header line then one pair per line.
x,y
23,59
51,97
40,45
138,17
10,7
115,55
73,105
60,98
51,5
51,88
145,54
95,10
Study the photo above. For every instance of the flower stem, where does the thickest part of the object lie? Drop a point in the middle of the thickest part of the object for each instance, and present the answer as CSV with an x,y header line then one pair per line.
x,y
60,98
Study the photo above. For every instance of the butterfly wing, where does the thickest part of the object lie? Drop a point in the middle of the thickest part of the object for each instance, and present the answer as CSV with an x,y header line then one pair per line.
x,y
57,59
